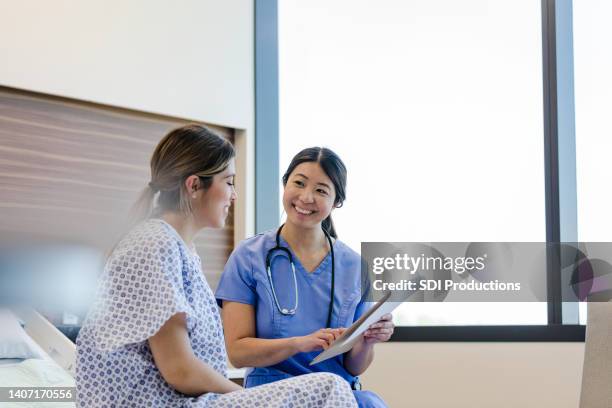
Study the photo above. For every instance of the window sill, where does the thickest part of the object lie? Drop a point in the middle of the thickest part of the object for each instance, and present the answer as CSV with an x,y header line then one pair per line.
x,y
547,333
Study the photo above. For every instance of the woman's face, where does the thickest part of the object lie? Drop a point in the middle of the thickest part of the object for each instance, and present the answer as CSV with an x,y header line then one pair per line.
x,y
211,206
309,195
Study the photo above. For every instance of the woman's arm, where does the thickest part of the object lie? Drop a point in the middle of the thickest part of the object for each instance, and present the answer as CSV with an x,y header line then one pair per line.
x,y
359,358
246,350
178,365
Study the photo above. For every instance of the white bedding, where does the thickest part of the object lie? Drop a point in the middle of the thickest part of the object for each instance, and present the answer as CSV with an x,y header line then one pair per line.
x,y
4,361
35,372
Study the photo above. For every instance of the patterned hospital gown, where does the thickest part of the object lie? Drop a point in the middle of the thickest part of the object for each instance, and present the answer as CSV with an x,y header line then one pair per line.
x,y
150,276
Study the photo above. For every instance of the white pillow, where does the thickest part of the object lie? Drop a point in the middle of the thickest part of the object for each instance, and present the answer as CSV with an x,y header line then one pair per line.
x,y
13,339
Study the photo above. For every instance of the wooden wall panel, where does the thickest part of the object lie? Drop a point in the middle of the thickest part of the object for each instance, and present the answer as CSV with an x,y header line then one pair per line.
x,y
71,170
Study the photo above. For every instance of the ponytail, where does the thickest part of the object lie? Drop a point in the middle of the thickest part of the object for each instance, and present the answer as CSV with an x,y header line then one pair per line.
x,y
328,226
143,207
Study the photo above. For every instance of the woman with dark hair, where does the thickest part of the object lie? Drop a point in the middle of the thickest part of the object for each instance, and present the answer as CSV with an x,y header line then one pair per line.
x,y
153,337
289,293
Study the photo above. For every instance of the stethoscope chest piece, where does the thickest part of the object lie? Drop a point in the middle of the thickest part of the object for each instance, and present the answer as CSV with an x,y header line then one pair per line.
x,y
283,310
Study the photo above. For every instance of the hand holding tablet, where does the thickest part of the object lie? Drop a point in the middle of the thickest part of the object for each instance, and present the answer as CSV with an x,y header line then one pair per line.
x,y
351,335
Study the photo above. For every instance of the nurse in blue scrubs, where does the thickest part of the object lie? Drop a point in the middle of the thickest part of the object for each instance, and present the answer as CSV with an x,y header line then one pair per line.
x,y
289,292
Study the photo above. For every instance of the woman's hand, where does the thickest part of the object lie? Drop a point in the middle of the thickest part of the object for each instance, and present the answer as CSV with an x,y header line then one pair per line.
x,y
379,331
321,339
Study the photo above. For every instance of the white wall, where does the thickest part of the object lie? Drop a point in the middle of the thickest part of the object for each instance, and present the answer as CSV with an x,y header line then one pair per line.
x,y
475,375
191,59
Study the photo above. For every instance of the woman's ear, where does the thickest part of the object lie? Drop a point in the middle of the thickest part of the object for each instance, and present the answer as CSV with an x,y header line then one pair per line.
x,y
192,184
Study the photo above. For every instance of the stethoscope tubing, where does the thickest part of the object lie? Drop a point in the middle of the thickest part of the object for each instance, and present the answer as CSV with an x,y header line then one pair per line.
x,y
291,311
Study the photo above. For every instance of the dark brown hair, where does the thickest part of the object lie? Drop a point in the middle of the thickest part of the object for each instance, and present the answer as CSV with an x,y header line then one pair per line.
x,y
333,167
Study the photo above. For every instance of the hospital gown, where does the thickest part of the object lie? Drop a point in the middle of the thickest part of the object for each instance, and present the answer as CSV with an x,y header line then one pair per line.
x,y
150,276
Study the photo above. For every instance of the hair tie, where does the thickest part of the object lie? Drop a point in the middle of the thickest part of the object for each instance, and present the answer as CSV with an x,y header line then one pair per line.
x,y
152,186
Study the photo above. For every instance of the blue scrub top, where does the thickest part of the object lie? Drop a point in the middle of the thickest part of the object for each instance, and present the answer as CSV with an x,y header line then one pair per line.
x,y
245,280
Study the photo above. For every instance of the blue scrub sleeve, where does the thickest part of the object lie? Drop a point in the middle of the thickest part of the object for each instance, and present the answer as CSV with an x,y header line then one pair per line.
x,y
237,283
361,308
365,301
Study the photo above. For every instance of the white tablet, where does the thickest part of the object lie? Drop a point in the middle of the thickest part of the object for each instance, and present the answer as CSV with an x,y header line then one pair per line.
x,y
348,339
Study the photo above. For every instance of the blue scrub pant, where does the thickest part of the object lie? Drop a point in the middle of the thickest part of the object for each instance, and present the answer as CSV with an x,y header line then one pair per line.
x,y
365,399
369,399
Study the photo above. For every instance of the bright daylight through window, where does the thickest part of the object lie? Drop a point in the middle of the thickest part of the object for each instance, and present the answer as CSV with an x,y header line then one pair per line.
x,y
436,109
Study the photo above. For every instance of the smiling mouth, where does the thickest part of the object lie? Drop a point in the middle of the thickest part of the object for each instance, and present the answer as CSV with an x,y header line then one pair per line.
x,y
303,211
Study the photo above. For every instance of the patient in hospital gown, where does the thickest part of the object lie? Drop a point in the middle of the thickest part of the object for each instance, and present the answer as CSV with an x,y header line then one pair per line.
x,y
150,276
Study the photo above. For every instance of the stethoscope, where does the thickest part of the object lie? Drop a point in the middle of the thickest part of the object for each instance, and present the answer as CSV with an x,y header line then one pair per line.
x,y
291,311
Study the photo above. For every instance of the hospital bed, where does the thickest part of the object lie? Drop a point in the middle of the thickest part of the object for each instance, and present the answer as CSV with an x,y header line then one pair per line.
x,y
52,356
58,354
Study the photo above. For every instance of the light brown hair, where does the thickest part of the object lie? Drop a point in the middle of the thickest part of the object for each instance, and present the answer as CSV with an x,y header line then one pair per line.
x,y
183,152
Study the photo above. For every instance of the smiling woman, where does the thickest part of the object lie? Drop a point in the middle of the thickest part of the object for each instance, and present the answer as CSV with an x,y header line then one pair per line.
x,y
275,284
315,183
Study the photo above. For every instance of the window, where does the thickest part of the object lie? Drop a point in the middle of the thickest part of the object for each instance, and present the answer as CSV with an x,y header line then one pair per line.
x,y
436,108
